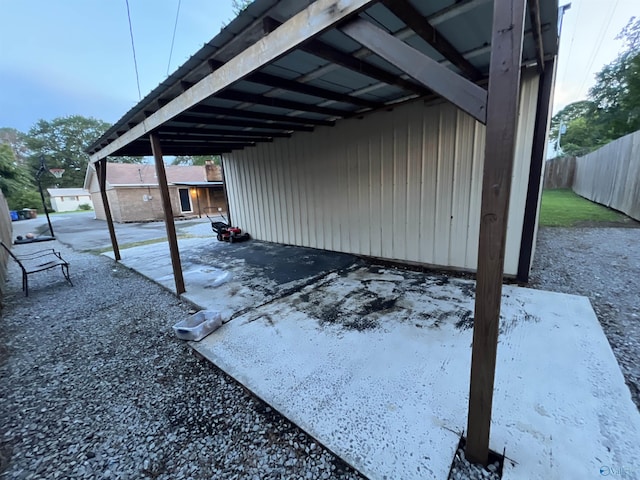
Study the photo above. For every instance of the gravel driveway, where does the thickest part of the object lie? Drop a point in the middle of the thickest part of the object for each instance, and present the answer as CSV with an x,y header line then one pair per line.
x,y
604,265
94,384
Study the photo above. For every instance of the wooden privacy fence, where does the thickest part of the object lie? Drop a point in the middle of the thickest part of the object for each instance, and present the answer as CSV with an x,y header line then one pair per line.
x,y
6,231
611,175
559,172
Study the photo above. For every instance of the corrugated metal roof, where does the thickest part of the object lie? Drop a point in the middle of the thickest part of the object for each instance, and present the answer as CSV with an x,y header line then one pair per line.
x,y
323,80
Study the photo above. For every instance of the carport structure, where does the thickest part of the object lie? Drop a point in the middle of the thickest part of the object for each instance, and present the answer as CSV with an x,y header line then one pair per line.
x,y
373,127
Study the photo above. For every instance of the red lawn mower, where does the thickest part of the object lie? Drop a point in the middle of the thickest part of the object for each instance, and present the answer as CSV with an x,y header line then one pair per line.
x,y
226,233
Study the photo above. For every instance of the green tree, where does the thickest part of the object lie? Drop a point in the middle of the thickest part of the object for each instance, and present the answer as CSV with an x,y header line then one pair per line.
x,y
613,107
616,93
569,113
240,5
17,141
62,141
196,159
15,182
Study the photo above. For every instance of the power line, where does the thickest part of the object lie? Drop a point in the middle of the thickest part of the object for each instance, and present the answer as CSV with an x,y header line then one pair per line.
x,y
133,47
600,40
173,39
573,36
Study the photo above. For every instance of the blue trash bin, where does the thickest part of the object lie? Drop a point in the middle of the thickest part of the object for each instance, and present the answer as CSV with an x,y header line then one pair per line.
x,y
14,215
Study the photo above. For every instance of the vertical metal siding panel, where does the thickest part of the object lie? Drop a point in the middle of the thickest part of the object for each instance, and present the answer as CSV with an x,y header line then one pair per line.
x,y
375,180
461,189
263,199
387,184
231,178
475,197
233,184
243,196
342,171
252,169
428,189
318,167
248,167
364,192
285,191
295,191
274,193
335,206
400,134
302,176
351,150
278,192
288,187
270,191
444,189
522,162
308,149
414,174
326,189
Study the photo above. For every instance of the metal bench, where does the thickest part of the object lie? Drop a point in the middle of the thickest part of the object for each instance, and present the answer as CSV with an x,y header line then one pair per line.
x,y
38,262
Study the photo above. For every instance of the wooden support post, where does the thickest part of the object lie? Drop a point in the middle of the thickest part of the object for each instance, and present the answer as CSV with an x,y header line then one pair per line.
x,y
168,213
545,89
224,190
502,115
101,172
198,203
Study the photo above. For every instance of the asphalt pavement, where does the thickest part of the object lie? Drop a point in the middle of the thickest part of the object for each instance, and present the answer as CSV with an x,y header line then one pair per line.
x,y
83,232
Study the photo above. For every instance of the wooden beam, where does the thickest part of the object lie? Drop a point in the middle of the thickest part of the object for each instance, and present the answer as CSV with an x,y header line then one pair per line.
x,y
536,27
212,138
186,118
234,112
172,145
322,50
239,96
502,116
461,92
541,128
220,131
421,26
309,22
168,214
101,172
137,151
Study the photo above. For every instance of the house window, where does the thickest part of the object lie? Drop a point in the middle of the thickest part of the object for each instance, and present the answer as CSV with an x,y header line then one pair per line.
x,y
185,200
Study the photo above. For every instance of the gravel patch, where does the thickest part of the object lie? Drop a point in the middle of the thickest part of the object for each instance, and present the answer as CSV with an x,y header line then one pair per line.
x,y
604,265
95,385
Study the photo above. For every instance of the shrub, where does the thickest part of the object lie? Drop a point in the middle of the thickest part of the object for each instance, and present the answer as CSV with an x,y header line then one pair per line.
x,y
84,206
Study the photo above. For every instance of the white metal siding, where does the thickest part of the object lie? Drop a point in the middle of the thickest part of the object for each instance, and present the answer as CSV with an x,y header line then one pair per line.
x,y
402,184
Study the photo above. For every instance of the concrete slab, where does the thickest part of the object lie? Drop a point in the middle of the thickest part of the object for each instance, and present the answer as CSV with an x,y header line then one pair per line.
x,y
374,362
231,278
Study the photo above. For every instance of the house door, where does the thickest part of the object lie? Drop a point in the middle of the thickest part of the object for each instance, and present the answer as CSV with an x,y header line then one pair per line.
x,y
185,200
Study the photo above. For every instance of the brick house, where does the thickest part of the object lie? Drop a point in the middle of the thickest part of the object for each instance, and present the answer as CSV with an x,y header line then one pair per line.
x,y
134,195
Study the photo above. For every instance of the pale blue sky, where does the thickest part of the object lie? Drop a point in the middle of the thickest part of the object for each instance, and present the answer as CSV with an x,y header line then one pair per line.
x,y
65,57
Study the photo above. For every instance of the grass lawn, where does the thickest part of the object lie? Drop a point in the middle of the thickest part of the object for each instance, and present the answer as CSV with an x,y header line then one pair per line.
x,y
564,208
